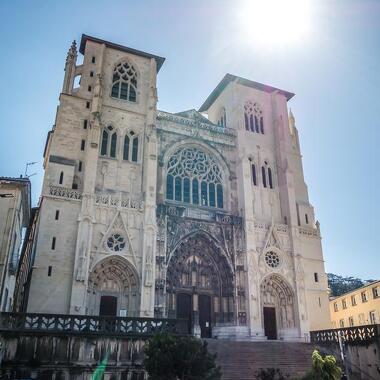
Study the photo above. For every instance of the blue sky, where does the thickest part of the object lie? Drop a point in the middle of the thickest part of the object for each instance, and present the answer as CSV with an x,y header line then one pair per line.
x,y
334,71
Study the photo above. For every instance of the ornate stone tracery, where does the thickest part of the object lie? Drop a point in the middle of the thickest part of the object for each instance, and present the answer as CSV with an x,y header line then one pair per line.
x,y
272,259
197,262
194,163
124,82
114,276
277,293
198,266
193,176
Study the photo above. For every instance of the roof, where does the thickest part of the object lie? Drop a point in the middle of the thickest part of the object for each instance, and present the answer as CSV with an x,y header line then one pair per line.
x,y
195,115
243,81
369,284
85,38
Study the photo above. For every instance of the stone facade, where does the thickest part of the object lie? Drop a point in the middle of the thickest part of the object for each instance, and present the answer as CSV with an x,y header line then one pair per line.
x,y
14,217
148,213
356,308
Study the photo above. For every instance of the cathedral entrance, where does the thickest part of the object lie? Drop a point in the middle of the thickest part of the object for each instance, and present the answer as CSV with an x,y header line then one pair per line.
x,y
184,308
113,288
108,306
205,316
200,285
277,301
270,328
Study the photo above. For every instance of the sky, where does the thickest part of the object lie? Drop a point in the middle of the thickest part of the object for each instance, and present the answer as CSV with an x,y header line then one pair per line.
x,y
333,67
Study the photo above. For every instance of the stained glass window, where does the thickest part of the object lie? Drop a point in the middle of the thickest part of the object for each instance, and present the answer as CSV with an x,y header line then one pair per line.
x,y
131,147
124,82
253,117
196,178
135,148
109,142
126,148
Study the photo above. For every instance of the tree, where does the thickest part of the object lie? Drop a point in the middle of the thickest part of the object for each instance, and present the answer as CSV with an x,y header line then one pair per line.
x,y
169,357
340,285
324,368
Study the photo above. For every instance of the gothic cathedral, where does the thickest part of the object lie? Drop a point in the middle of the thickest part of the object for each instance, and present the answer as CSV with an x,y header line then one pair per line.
x,y
202,215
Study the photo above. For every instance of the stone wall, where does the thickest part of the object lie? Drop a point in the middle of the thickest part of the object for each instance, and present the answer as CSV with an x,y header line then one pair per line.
x,y
63,357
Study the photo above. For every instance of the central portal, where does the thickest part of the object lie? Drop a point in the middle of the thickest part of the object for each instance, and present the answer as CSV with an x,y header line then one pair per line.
x,y
184,308
108,306
199,285
204,304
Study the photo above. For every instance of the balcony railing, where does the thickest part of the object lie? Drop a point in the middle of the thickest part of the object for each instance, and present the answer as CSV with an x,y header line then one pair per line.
x,y
89,325
359,334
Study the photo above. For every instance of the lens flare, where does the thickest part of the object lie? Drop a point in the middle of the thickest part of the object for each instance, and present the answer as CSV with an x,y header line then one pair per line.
x,y
276,21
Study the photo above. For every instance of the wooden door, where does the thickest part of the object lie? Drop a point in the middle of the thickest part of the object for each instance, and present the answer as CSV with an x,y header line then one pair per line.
x,y
205,315
184,309
270,328
108,306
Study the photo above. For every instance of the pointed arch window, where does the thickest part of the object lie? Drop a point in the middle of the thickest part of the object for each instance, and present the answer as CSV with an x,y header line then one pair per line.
x,y
254,175
222,121
124,82
253,118
264,175
61,178
131,147
194,177
267,175
108,142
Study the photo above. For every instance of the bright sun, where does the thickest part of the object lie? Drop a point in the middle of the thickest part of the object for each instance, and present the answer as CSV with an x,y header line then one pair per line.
x,y
276,22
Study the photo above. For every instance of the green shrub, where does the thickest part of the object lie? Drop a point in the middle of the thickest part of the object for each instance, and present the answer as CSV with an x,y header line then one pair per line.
x,y
324,368
169,357
271,374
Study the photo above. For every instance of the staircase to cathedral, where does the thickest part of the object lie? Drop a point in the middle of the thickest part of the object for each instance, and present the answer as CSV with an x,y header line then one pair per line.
x,y
243,360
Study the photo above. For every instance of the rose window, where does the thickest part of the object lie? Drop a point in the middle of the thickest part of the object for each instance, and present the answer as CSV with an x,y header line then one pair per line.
x,y
116,242
272,259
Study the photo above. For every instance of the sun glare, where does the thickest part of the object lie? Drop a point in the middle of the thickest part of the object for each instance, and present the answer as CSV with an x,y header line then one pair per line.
x,y
275,21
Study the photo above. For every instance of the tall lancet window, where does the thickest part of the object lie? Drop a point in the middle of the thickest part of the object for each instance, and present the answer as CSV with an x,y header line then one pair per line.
x,y
124,82
253,117
131,147
108,143
222,121
267,175
194,177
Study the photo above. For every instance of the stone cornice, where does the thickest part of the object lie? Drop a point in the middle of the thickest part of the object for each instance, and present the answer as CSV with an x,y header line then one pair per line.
x,y
194,128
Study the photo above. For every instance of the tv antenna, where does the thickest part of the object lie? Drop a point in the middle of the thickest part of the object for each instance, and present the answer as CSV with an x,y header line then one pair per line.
x,y
26,175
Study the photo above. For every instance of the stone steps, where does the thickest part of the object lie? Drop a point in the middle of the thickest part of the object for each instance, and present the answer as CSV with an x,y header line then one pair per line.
x,y
242,360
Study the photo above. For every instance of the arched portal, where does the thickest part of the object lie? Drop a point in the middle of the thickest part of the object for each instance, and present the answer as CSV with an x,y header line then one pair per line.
x,y
277,301
200,284
113,288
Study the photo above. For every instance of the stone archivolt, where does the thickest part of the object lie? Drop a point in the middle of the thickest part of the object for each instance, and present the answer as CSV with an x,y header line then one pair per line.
x,y
275,292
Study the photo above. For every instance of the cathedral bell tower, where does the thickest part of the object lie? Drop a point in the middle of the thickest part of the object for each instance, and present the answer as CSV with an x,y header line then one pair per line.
x,y
98,201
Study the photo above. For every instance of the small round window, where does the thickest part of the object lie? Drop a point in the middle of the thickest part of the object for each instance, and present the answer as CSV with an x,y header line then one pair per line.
x,y
116,242
272,259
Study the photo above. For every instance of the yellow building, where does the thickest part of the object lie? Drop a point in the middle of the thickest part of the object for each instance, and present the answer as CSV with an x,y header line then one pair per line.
x,y
358,307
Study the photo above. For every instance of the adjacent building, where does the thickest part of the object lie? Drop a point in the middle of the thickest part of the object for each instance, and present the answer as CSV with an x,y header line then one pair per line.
x,y
25,265
202,215
15,203
357,308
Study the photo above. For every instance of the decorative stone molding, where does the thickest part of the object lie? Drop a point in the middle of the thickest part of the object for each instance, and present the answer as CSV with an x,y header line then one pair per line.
x,y
102,199
64,192
195,128
308,232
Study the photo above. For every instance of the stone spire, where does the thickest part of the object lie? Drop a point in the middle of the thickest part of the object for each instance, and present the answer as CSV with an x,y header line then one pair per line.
x,y
72,53
71,59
